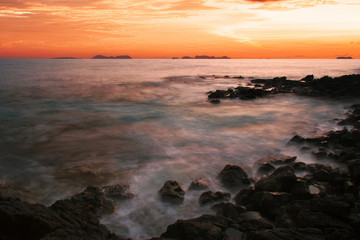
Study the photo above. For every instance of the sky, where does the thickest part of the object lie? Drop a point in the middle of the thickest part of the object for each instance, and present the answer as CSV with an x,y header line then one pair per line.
x,y
176,28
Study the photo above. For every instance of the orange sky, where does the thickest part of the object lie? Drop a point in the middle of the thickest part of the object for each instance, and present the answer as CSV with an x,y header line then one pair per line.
x,y
168,28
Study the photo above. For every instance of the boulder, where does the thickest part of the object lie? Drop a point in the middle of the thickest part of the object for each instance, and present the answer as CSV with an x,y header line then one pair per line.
x,y
214,197
233,176
282,180
172,192
199,184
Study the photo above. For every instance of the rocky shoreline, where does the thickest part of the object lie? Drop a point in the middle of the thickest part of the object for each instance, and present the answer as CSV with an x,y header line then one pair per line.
x,y
286,199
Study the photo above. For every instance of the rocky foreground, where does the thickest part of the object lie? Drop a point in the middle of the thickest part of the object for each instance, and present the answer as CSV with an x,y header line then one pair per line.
x,y
286,199
325,87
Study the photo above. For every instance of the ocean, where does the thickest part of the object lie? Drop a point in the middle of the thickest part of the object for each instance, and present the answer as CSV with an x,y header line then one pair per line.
x,y
68,124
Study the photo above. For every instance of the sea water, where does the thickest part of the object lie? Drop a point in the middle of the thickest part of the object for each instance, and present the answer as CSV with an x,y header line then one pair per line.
x,y
68,124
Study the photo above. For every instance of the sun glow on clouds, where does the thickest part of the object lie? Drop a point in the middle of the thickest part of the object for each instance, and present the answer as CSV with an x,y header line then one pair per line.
x,y
237,28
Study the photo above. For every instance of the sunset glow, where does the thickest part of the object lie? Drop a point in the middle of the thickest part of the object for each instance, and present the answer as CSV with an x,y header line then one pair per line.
x,y
175,28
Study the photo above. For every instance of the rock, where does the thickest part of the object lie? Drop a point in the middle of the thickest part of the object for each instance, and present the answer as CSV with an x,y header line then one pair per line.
x,y
172,192
211,197
282,180
268,203
287,234
298,166
277,159
244,197
206,227
228,210
265,169
251,221
354,168
199,184
296,140
117,192
233,176
91,201
301,189
73,218
308,78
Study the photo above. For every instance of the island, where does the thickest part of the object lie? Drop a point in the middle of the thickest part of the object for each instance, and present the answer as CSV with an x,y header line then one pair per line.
x,y
111,57
344,58
65,58
202,57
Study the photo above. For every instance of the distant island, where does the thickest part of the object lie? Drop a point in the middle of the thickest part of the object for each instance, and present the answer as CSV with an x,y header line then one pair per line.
x,y
65,58
111,57
344,58
203,57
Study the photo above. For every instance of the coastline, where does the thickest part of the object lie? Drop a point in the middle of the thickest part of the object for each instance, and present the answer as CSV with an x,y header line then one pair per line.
x,y
226,224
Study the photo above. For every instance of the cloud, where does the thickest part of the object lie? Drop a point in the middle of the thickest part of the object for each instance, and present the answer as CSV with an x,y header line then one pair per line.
x,y
186,5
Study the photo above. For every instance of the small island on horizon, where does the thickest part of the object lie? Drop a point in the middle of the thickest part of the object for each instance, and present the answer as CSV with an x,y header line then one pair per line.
x,y
112,57
344,58
203,57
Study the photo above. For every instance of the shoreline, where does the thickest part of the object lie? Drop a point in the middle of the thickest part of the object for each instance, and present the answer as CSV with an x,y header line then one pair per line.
x,y
324,204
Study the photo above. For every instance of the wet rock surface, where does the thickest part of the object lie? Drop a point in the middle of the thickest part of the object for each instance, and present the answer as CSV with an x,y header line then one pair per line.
x,y
328,87
199,184
74,218
172,192
233,176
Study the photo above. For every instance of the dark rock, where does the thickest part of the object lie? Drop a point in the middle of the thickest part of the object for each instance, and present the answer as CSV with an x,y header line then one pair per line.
x,y
211,197
74,218
215,101
301,189
277,159
206,227
251,221
228,210
296,140
265,169
287,234
244,197
354,168
233,176
308,78
118,192
268,203
282,180
172,192
298,166
91,201
199,184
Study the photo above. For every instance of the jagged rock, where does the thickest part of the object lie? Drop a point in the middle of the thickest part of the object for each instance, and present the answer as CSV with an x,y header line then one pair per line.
x,y
214,197
233,176
172,192
91,201
199,184
251,221
282,180
206,227
74,218
118,192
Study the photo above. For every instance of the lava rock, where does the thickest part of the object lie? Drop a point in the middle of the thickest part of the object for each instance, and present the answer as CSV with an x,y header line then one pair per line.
x,y
172,192
228,210
265,169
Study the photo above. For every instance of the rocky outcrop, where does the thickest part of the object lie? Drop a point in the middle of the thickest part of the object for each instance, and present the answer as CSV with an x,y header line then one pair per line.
x,y
118,192
233,176
199,184
172,192
74,218
326,87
